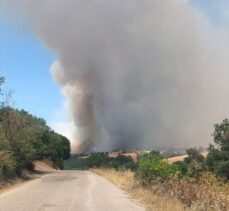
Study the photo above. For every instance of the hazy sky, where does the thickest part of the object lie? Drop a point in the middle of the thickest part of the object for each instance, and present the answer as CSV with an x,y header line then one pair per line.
x,y
25,63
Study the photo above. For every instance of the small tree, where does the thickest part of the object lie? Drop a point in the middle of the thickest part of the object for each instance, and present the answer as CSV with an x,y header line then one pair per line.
x,y
152,168
218,157
194,162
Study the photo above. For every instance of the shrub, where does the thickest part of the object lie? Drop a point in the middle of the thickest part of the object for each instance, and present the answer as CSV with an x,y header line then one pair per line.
x,y
222,169
7,165
99,159
152,167
195,163
182,166
218,159
122,162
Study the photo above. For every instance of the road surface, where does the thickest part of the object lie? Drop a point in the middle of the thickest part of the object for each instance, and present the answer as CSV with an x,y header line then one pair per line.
x,y
67,191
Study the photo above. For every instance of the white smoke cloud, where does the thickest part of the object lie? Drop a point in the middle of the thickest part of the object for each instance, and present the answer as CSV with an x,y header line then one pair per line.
x,y
146,73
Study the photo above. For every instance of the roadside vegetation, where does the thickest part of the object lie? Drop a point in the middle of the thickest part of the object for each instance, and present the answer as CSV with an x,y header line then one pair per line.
x,y
25,138
196,183
100,160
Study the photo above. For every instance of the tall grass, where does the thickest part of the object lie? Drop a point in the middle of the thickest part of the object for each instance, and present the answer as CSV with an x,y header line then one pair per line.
x,y
126,181
209,193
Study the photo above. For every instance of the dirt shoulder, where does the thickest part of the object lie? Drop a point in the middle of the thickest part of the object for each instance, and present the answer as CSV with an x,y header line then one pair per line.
x,y
40,168
43,166
8,185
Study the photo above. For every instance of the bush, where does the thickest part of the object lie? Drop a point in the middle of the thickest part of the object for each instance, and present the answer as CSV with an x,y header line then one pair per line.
x,y
222,169
99,159
122,162
182,166
195,163
218,158
152,167
8,165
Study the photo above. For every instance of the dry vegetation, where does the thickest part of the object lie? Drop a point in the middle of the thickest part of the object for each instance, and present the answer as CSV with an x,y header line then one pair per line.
x,y
40,167
6,186
209,193
181,158
133,155
125,180
17,181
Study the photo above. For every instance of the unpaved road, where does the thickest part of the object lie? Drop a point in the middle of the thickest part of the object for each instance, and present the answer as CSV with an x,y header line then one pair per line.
x,y
67,191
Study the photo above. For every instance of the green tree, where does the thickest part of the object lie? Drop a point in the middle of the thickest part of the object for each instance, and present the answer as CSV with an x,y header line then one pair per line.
x,y
99,159
29,138
7,164
218,156
151,167
25,138
56,148
195,162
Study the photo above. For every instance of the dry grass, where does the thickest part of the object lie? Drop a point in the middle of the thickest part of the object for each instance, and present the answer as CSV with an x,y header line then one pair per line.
x,y
133,155
206,194
43,166
125,180
181,158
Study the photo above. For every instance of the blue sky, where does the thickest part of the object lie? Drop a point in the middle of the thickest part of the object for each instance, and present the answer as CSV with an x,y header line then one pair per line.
x,y
25,62
216,10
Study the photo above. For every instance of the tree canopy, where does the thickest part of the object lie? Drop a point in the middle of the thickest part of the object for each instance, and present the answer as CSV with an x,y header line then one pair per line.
x,y
218,157
25,138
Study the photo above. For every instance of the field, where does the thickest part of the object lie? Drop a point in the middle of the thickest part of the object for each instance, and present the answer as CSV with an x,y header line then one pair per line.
x,y
181,158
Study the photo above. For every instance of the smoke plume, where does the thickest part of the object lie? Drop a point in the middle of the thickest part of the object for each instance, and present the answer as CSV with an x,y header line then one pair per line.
x,y
147,73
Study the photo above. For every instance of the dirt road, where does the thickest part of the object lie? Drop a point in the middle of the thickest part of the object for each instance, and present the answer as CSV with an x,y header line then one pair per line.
x,y
67,191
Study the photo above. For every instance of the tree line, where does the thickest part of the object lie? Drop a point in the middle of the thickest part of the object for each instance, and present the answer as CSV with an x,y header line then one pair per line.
x,y
100,160
25,138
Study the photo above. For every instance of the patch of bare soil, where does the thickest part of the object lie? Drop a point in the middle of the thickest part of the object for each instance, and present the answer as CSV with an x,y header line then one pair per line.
x,y
44,166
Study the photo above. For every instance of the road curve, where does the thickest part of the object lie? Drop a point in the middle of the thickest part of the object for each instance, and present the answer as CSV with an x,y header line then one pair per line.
x,y
67,191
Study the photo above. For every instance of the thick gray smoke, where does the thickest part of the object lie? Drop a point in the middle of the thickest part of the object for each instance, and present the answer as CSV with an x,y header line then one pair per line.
x,y
135,73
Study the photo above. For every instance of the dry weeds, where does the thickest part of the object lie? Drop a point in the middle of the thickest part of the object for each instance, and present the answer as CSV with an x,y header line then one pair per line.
x,y
125,180
207,194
